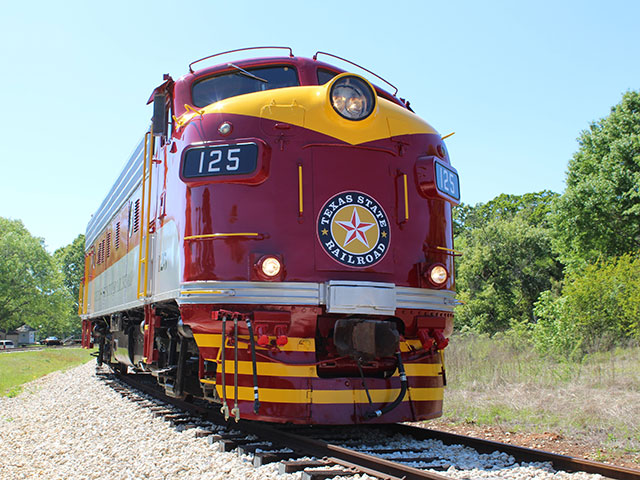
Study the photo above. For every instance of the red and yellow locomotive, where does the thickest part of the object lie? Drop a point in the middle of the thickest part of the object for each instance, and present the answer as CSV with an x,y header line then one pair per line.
x,y
279,243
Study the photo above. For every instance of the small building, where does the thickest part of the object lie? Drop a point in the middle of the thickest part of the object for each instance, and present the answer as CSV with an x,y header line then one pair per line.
x,y
24,335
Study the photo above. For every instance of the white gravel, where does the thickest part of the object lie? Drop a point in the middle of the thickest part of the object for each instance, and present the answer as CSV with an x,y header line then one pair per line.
x,y
70,425
463,462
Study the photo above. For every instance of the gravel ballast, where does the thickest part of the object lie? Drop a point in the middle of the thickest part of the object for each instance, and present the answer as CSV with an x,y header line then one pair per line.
x,y
70,425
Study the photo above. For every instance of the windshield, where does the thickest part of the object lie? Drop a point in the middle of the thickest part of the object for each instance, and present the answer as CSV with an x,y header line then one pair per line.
x,y
240,81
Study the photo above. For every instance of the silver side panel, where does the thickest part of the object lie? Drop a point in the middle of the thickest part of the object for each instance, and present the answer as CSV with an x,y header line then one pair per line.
x,y
368,298
424,299
115,289
167,267
285,293
121,190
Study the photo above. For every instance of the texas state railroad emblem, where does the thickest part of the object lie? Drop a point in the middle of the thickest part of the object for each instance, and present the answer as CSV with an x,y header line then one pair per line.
x,y
353,229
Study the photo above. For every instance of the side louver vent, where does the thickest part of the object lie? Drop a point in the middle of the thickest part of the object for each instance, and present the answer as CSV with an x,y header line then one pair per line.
x,y
117,241
136,216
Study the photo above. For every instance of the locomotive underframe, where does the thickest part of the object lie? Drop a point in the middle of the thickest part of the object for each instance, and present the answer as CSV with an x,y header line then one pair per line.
x,y
189,365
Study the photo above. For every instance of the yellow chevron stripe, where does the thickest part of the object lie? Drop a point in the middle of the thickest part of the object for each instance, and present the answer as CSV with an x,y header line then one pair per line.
x,y
309,107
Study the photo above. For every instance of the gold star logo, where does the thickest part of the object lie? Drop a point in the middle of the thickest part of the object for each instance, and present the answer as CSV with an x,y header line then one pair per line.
x,y
384,234
324,231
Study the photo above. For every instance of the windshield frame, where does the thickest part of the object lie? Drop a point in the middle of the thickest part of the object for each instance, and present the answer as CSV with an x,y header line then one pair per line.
x,y
256,73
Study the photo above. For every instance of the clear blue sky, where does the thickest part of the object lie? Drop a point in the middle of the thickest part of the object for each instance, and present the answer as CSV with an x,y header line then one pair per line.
x,y
516,81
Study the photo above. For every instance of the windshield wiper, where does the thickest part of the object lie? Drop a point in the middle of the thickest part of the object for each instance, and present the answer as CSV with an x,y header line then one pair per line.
x,y
247,74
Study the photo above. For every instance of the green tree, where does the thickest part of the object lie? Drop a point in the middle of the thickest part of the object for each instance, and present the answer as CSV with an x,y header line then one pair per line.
x,y
71,261
505,266
31,287
598,216
534,208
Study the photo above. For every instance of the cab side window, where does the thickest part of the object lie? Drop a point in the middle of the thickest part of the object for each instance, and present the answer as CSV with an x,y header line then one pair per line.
x,y
325,75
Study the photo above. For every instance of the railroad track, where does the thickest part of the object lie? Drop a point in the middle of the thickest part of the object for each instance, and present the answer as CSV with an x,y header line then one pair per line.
x,y
387,452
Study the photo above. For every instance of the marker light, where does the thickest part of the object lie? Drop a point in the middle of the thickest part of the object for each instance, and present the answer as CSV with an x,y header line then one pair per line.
x,y
225,128
352,97
270,266
438,275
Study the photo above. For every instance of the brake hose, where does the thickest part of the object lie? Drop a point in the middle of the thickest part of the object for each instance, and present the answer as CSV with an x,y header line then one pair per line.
x,y
401,395
256,401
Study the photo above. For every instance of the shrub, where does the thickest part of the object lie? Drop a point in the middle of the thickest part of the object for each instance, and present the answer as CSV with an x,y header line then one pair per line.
x,y
599,308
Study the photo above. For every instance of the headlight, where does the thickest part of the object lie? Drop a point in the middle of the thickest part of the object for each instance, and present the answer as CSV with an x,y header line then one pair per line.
x,y
352,98
438,275
270,266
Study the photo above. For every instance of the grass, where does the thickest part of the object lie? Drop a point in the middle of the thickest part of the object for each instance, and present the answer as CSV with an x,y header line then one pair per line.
x,y
503,382
18,368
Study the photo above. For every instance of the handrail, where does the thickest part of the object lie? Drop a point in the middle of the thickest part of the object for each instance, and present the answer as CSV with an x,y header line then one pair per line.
x,y
406,197
81,297
315,57
145,209
222,235
86,284
237,50
300,192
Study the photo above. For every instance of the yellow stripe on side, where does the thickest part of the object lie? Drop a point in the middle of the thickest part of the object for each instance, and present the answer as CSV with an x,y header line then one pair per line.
x,y
329,397
295,344
271,369
377,396
276,395
309,107
422,369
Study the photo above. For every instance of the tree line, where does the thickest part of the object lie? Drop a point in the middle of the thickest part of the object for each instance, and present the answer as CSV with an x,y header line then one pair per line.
x,y
37,288
562,271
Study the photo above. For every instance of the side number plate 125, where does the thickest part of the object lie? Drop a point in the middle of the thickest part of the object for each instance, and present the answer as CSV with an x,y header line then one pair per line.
x,y
447,181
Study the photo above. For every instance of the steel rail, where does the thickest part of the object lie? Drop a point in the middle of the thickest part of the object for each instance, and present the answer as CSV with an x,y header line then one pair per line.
x,y
382,468
558,461
365,463
337,454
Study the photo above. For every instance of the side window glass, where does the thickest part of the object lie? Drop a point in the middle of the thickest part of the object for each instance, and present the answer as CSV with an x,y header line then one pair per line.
x,y
325,75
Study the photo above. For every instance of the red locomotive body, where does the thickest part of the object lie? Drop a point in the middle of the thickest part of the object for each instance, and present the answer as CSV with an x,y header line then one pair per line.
x,y
288,228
